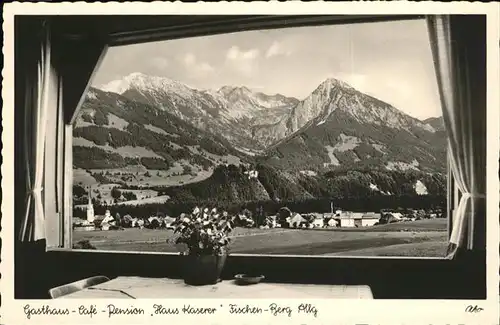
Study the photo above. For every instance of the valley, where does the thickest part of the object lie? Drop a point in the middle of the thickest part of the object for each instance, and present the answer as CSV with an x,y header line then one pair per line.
x,y
145,144
147,131
427,238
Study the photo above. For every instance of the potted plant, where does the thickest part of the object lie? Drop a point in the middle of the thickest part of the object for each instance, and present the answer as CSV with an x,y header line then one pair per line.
x,y
204,238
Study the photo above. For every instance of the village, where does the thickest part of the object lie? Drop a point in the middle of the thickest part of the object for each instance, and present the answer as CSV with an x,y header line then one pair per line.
x,y
285,218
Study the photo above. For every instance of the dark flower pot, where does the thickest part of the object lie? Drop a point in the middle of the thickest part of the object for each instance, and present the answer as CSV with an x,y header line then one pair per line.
x,y
203,269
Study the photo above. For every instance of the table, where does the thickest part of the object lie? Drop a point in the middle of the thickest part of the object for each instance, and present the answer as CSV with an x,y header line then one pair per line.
x,y
151,288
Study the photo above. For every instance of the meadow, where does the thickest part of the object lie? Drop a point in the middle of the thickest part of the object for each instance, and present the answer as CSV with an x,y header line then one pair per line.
x,y
422,238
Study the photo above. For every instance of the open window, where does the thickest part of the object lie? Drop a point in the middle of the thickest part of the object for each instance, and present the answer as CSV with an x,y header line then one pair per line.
x,y
331,150
127,149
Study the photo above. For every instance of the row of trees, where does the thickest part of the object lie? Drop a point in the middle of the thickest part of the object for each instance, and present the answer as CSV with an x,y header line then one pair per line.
x,y
80,195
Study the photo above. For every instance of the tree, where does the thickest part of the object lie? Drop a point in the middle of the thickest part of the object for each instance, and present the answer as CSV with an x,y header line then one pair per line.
x,y
259,216
116,193
247,213
129,196
283,214
186,170
79,191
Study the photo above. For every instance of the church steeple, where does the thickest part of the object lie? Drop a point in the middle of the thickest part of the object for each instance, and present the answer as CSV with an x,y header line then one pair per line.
x,y
90,207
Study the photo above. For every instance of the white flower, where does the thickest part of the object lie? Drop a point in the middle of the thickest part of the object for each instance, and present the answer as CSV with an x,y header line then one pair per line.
x,y
214,210
205,210
186,220
196,210
198,220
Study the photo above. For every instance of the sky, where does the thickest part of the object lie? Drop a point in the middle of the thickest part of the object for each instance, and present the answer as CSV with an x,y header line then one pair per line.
x,y
391,61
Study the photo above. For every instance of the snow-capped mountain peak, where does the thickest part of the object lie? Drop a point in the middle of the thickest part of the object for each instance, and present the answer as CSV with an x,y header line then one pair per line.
x,y
333,82
242,102
141,81
235,91
137,75
255,120
120,86
115,86
319,104
334,94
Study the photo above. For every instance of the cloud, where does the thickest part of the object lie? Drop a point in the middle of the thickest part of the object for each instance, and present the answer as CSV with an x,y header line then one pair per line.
x,y
277,49
189,59
242,61
196,68
160,63
235,54
205,67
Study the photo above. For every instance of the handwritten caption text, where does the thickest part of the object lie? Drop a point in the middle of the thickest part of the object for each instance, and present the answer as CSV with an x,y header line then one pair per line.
x,y
112,310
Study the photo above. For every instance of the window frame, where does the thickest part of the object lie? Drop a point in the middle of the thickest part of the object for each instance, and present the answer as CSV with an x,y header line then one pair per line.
x,y
65,231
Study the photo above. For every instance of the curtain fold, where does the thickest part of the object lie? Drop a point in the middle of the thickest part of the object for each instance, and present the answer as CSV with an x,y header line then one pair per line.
x,y
46,64
37,92
465,121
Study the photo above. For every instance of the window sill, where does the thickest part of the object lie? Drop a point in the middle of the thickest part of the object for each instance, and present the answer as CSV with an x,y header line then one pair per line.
x,y
272,256
394,278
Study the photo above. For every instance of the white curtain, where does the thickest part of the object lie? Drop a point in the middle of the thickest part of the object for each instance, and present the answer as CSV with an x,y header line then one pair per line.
x,y
37,92
464,118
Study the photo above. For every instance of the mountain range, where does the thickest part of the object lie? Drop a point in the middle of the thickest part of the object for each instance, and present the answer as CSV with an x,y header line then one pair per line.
x,y
229,111
167,127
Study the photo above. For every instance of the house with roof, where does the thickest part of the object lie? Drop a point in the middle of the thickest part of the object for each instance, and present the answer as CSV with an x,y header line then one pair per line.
x,y
368,219
344,219
318,222
296,221
356,219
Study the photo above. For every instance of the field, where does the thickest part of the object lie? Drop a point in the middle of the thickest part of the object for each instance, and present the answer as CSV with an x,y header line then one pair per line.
x,y
423,238
139,175
136,176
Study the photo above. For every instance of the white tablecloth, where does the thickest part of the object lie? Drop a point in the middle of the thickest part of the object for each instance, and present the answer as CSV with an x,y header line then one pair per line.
x,y
137,287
